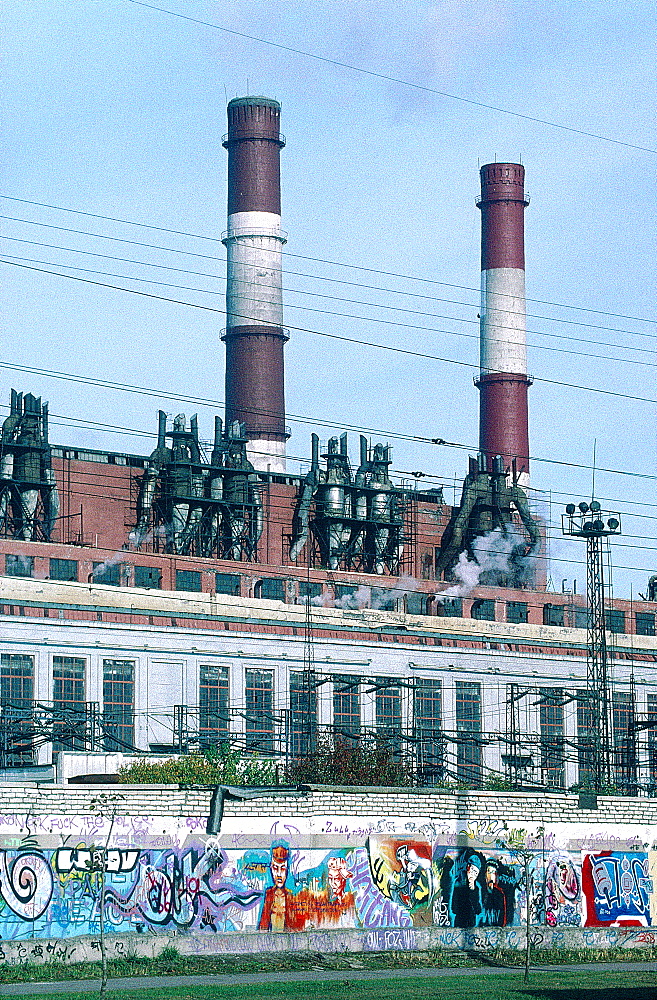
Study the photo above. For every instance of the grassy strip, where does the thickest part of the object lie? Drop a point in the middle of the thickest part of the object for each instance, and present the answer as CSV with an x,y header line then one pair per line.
x,y
171,963
622,985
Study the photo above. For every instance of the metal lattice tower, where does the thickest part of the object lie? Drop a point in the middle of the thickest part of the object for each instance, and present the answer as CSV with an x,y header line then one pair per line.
x,y
594,525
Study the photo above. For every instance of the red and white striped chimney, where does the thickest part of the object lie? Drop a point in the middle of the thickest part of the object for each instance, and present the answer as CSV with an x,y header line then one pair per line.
x,y
503,380
254,335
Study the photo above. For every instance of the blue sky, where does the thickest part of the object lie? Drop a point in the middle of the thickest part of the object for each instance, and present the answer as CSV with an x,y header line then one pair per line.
x,y
116,109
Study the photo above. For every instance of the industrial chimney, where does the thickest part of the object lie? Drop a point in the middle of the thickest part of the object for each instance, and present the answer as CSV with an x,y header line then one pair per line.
x,y
503,380
254,335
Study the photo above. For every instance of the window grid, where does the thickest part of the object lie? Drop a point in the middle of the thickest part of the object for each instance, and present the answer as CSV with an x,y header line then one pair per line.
x,y
516,612
468,723
346,704
303,712
621,710
69,697
259,692
552,736
16,697
63,569
118,704
585,731
427,713
214,700
388,715
645,623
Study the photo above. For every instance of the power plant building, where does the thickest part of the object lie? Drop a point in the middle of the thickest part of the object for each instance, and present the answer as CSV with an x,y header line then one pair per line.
x,y
160,603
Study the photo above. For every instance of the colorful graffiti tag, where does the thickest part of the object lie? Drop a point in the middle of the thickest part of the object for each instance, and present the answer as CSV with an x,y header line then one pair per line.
x,y
387,883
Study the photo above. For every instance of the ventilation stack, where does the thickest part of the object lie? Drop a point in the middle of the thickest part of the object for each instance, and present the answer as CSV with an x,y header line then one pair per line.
x,y
503,380
254,335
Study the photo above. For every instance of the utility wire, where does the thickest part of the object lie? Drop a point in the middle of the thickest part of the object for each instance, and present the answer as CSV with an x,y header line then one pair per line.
x,y
331,336
315,260
392,79
202,401
367,319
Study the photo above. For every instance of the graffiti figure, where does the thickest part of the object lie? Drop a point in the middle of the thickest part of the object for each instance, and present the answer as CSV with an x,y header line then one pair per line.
x,y
277,904
494,898
561,891
411,885
466,901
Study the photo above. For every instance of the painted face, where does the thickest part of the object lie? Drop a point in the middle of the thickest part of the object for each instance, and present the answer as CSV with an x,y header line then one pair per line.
x,y
278,866
336,883
471,873
491,875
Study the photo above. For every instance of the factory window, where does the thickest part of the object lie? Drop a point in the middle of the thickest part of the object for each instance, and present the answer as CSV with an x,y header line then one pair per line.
x,y
309,589
303,712
516,612
483,610
552,736
259,692
63,569
427,714
450,607
119,704
614,621
468,730
581,617
346,705
343,591
188,579
17,565
270,589
652,742
16,699
227,583
213,700
68,702
415,604
586,738
645,623
107,573
148,577
388,715
553,614
622,711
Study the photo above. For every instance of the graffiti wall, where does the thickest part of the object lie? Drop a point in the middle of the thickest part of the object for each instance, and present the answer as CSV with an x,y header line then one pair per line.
x,y
168,875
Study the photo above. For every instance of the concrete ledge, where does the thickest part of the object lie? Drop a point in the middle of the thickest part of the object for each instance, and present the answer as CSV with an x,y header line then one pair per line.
x,y
482,939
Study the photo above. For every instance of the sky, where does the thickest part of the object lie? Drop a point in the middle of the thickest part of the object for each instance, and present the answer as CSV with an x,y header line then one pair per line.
x,y
117,109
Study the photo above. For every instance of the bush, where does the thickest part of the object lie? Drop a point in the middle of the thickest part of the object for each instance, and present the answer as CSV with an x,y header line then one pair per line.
x,y
217,765
343,764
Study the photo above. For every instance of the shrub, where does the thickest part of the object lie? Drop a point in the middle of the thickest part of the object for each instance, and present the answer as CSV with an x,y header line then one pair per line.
x,y
217,765
340,763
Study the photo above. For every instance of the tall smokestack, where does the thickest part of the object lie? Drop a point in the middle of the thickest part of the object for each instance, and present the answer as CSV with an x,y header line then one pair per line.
x,y
503,380
254,334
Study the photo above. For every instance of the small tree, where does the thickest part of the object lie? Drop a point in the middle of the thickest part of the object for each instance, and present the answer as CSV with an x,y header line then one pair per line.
x,y
217,765
520,844
339,763
104,806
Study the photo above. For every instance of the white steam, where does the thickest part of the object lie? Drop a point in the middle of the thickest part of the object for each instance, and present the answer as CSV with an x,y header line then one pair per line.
x,y
498,555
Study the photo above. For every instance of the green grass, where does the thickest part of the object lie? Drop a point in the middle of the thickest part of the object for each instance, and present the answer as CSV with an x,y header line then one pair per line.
x,y
171,963
623,985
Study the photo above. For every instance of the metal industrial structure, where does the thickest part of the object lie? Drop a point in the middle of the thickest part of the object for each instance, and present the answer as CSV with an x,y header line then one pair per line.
x,y
190,506
356,521
29,500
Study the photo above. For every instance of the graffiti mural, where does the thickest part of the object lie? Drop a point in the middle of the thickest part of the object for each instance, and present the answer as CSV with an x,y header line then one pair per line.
x,y
617,889
161,878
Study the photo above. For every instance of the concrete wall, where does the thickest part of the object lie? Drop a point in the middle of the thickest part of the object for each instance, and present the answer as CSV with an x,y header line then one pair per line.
x,y
358,868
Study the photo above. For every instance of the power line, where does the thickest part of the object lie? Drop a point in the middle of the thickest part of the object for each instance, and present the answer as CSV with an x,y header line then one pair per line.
x,y
201,401
374,319
330,336
391,79
315,260
337,298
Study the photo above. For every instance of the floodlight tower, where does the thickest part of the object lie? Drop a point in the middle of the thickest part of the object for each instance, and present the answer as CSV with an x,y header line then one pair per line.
x,y
590,522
